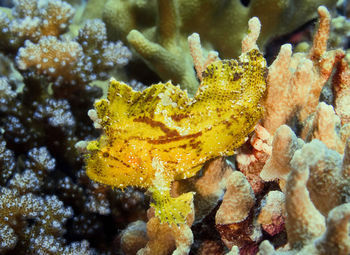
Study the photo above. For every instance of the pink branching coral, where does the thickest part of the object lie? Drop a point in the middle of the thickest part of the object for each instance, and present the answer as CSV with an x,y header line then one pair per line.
x,y
316,189
250,160
234,219
272,214
341,87
284,144
303,74
325,125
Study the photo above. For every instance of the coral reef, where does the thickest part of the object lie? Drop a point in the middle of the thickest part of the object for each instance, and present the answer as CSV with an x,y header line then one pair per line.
x,y
48,205
238,170
88,57
305,74
158,30
319,184
31,20
168,136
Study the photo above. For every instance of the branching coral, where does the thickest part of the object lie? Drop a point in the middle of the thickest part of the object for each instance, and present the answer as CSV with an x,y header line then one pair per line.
x,y
305,75
7,162
232,218
209,186
317,184
164,238
272,214
31,116
284,144
317,187
325,125
341,87
328,179
28,219
36,29
32,20
87,58
158,30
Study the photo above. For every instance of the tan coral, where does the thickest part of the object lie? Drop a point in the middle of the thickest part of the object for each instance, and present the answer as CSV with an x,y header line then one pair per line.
x,y
295,81
88,57
209,187
134,237
33,19
328,175
334,241
234,219
51,57
341,87
237,202
336,238
251,160
317,187
272,214
304,221
165,238
196,51
328,178
325,126
284,144
157,28
249,41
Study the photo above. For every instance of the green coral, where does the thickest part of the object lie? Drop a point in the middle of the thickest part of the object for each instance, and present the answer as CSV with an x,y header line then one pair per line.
x,y
158,29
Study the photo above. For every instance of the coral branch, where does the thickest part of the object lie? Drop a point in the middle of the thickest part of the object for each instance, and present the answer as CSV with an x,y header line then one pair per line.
x,y
304,74
336,239
319,45
304,221
249,41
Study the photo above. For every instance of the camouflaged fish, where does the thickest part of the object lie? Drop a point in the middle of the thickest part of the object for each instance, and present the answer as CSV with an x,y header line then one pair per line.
x,y
162,132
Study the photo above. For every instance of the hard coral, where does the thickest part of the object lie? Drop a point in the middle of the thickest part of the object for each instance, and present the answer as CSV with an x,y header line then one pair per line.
x,y
164,238
317,184
32,20
48,206
158,30
305,74
28,219
341,87
233,218
80,61
314,188
272,214
325,125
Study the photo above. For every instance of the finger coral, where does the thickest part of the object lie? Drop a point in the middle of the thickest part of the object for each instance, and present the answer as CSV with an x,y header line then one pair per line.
x,y
232,218
158,29
48,204
304,73
160,135
317,189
